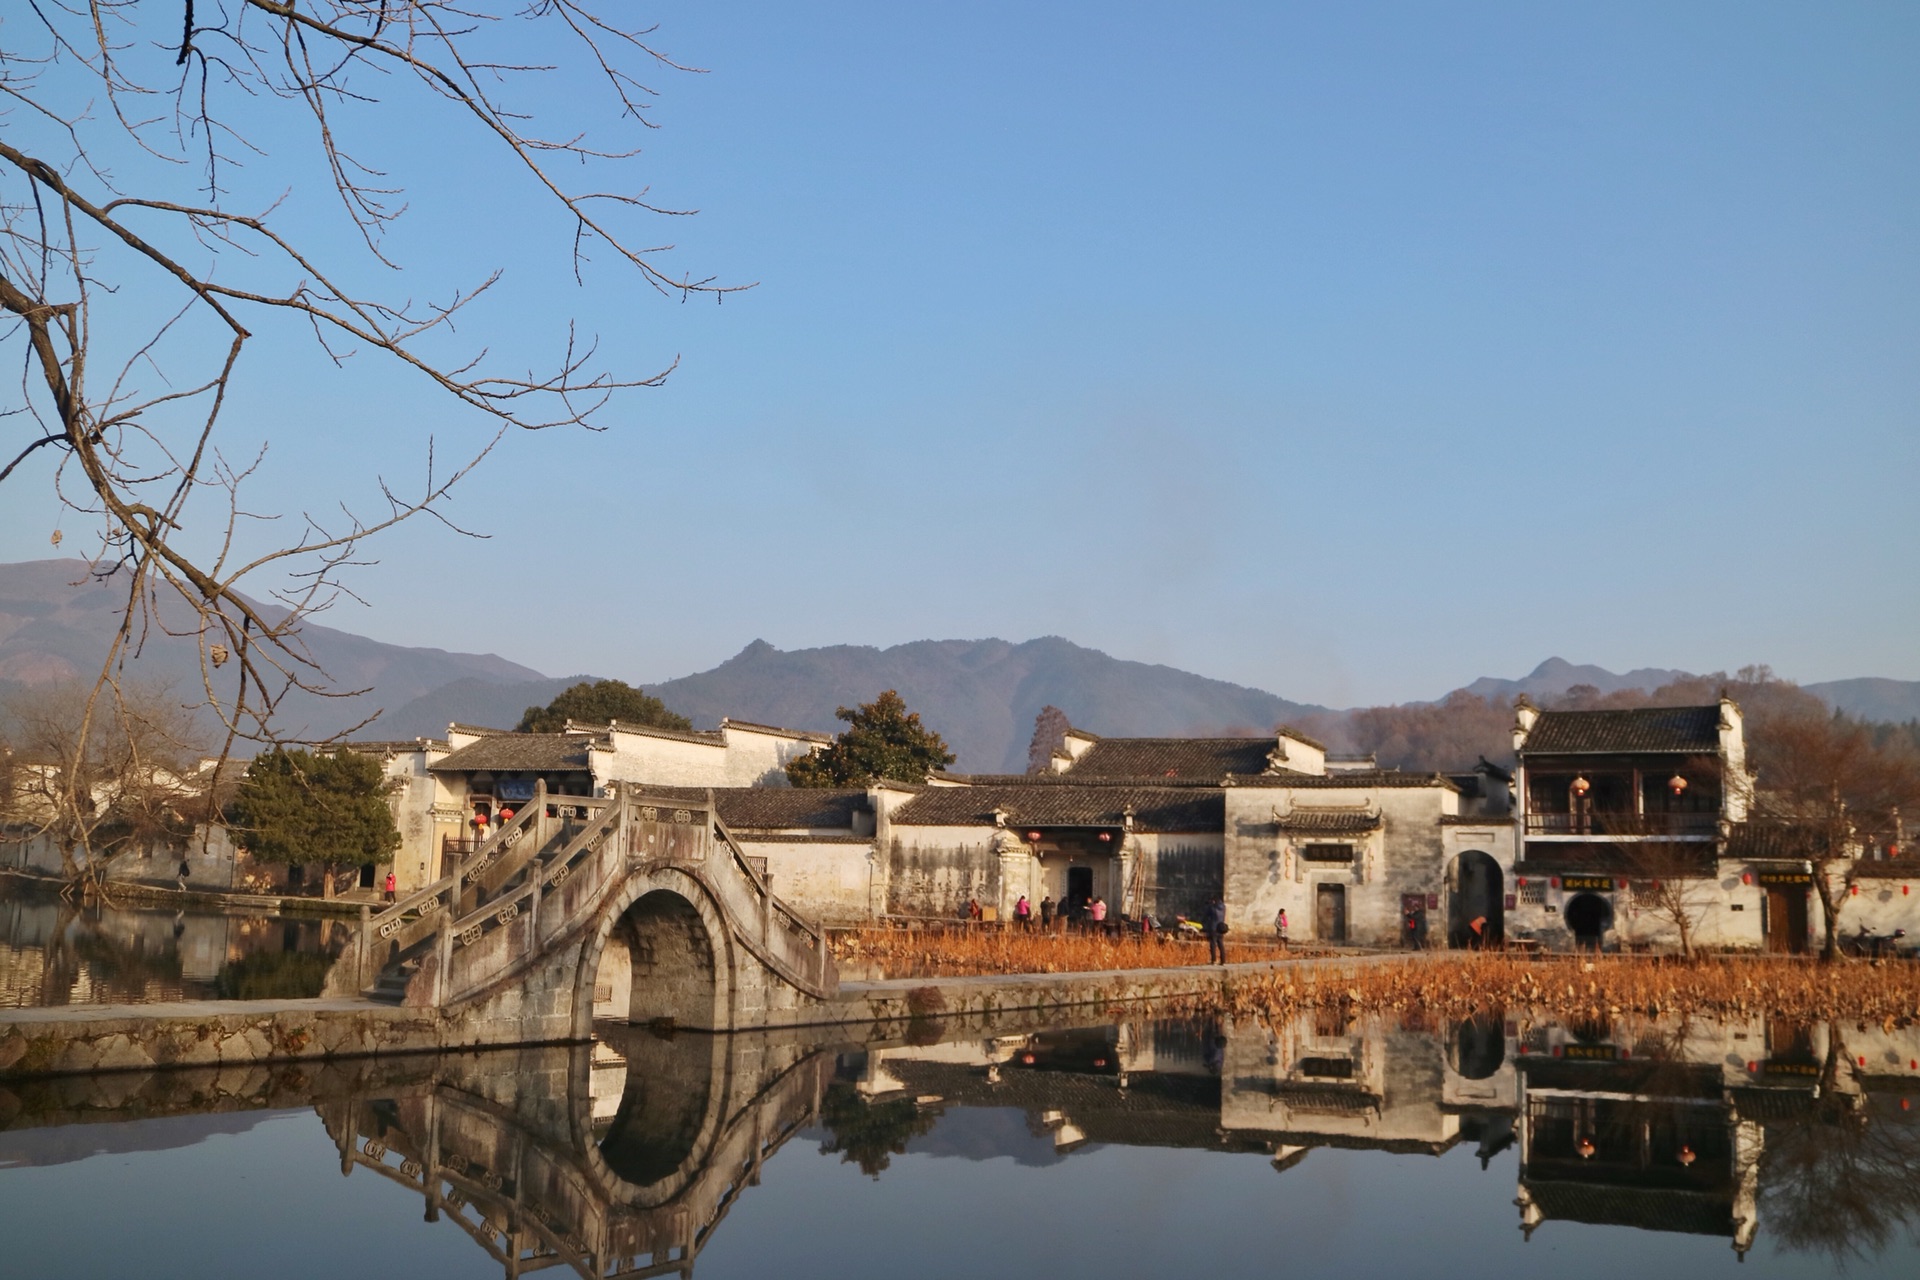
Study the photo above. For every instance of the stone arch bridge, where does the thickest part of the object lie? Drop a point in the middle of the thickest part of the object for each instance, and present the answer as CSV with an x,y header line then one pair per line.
x,y
648,900
615,1160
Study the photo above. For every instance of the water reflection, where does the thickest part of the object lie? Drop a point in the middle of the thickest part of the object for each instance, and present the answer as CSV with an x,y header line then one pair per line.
x,y
57,952
626,1157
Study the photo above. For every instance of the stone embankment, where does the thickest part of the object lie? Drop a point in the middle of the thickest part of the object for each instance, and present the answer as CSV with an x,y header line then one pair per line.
x,y
76,1039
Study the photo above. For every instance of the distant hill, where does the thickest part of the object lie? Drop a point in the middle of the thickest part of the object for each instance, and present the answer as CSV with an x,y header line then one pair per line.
x,y
56,624
1872,698
470,701
982,695
1556,675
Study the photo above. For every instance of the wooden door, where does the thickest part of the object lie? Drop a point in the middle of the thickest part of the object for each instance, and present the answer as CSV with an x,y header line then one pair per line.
x,y
1330,912
1786,918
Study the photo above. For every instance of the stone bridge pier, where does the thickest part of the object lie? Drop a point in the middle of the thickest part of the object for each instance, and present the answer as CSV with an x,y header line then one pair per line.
x,y
641,909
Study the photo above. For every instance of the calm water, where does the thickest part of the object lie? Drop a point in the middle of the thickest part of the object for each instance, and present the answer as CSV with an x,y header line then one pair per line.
x,y
55,952
1117,1150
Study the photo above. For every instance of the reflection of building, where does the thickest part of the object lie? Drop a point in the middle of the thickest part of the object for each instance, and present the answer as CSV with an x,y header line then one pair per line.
x,y
1651,1133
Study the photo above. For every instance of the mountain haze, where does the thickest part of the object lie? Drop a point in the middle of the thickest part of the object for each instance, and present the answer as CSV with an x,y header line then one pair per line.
x,y
56,623
981,695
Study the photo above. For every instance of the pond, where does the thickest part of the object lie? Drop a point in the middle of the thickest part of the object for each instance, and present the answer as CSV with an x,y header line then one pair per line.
x,y
57,952
1322,1146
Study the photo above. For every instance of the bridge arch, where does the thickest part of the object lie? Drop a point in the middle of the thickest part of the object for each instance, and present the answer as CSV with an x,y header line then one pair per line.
x,y
680,953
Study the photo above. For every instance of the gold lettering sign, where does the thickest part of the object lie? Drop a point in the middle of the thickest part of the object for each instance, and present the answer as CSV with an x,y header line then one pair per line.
x,y
1602,884
1590,1052
1785,877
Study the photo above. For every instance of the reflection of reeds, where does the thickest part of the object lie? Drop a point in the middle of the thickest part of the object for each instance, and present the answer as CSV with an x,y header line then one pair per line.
x,y
961,951
1597,988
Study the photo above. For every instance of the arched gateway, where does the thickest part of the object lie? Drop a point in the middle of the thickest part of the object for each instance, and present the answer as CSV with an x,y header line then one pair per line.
x,y
515,942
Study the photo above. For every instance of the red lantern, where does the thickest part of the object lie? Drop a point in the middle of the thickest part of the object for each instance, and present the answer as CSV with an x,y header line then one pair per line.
x,y
1106,836
1581,786
506,815
1854,889
1034,836
479,819
1676,784
1746,877
1555,882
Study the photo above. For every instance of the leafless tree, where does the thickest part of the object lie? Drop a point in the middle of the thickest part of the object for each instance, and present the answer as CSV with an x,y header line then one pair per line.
x,y
1050,729
1842,1178
1824,789
142,259
94,783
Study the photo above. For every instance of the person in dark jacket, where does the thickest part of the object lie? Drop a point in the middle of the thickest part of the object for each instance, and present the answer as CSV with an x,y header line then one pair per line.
x,y
1046,913
1216,921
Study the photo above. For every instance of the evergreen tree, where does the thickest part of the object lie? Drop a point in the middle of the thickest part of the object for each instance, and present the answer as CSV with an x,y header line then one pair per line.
x,y
596,702
296,806
882,740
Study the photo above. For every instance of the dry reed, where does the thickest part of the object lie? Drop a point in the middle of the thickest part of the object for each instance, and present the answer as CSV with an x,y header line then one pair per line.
x,y
1596,988
962,951
1444,985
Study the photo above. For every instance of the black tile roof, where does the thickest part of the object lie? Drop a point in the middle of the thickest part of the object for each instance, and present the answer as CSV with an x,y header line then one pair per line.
x,y
1154,808
1203,758
1693,730
1351,781
1065,780
1310,822
519,753
1648,1208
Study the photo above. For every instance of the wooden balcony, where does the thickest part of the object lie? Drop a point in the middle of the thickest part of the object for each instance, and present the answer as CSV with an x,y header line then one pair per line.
x,y
1659,826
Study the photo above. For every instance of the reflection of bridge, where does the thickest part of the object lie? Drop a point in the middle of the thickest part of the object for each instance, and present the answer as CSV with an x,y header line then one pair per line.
x,y
612,1165
512,941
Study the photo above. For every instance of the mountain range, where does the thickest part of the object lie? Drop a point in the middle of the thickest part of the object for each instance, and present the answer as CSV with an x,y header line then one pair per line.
x,y
982,695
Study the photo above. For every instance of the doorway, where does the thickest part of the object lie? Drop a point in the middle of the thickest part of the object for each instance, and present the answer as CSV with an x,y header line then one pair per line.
x,y
1589,916
366,875
1079,892
1475,892
1330,912
1786,921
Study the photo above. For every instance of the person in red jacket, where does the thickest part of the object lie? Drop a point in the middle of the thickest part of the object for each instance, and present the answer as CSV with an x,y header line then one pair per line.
x,y
392,887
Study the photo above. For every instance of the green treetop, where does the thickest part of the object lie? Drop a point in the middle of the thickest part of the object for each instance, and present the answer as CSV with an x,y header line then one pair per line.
x,y
882,740
296,806
598,701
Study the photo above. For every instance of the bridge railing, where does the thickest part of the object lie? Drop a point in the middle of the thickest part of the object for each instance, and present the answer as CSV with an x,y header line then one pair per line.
x,y
485,943
416,916
485,929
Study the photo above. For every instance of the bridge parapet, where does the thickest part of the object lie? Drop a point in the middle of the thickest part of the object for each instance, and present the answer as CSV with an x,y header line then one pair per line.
x,y
549,876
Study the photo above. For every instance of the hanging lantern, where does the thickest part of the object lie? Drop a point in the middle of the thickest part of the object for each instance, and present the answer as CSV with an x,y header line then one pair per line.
x,y
1106,837
1854,889
1585,1148
479,819
1676,784
1034,836
506,815
1581,786
1686,1156
1556,882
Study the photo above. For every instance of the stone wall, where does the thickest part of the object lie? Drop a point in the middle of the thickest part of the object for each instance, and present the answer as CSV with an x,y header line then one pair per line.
x,y
1266,867
832,878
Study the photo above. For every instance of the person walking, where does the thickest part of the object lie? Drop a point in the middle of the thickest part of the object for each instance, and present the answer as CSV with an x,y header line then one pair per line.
x,y
1216,922
1046,913
186,869
1023,913
1280,926
391,893
1097,911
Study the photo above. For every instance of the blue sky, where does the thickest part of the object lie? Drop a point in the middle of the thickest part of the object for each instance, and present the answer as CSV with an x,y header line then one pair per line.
x,y
1352,351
